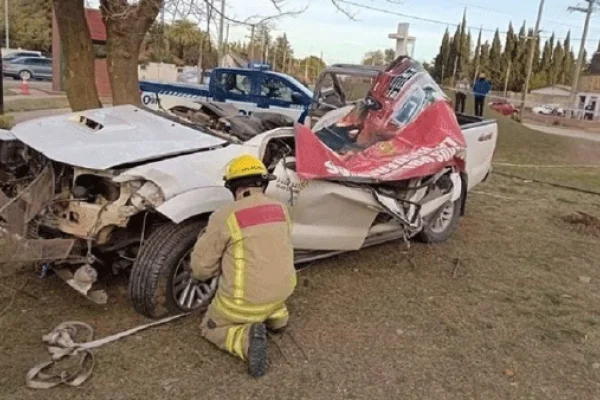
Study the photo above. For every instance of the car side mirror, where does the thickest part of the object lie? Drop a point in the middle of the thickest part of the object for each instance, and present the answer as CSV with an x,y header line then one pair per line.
x,y
297,98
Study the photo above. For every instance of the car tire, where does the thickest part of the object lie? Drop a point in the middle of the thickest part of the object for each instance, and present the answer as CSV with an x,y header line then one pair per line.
x,y
152,289
436,232
25,75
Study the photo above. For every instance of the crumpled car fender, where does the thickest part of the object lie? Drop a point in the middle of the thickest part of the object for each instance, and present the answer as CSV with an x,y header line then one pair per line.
x,y
195,202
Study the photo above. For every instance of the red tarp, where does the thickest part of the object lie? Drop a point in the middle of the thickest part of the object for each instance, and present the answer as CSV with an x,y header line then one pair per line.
x,y
405,128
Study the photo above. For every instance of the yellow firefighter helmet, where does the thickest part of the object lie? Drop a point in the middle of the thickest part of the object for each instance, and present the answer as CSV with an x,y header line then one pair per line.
x,y
246,166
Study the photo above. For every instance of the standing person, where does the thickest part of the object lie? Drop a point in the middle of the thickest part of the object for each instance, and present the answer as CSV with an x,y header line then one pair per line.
x,y
480,90
247,243
461,95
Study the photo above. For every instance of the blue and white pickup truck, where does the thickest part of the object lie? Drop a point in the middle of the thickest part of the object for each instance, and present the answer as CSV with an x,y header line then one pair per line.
x,y
247,89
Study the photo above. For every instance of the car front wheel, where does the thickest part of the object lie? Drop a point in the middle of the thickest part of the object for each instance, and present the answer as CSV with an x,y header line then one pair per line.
x,y
160,283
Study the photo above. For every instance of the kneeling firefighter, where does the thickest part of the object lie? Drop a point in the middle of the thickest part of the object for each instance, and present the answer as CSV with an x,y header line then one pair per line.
x,y
248,244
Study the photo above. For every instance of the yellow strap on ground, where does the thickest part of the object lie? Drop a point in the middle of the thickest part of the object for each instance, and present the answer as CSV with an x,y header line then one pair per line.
x,y
239,263
61,343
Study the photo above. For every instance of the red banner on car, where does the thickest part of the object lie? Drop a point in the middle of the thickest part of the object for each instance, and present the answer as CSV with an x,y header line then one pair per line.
x,y
405,128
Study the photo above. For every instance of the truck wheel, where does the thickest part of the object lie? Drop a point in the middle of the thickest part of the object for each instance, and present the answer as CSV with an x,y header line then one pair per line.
x,y
159,286
442,225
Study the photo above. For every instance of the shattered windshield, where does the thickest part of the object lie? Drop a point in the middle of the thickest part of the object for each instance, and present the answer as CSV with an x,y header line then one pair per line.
x,y
353,88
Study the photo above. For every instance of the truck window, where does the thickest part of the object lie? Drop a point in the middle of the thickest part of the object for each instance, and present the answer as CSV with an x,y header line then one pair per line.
x,y
276,89
235,83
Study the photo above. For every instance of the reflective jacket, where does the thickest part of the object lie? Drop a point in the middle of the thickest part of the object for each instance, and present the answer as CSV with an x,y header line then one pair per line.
x,y
249,242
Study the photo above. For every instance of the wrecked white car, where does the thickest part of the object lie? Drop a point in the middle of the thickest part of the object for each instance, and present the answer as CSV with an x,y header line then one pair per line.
x,y
130,189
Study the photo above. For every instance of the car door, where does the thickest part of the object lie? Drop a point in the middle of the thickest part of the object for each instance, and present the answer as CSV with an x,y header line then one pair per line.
x,y
35,66
45,68
326,215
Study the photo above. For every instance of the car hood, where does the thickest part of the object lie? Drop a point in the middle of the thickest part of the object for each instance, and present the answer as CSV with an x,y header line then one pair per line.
x,y
108,137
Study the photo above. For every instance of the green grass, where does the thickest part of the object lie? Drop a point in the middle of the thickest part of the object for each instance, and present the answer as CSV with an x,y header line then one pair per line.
x,y
6,121
32,104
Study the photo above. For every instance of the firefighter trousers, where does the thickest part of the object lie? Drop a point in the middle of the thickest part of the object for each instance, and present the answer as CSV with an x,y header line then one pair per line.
x,y
232,334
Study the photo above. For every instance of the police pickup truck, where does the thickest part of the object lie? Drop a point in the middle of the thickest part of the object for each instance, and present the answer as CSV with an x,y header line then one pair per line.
x,y
255,88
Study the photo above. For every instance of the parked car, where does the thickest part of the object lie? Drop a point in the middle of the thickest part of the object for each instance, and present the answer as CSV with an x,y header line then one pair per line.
x,y
28,68
132,188
548,109
504,107
12,54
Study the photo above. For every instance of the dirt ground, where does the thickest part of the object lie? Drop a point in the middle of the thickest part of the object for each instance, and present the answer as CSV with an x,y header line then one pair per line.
x,y
503,310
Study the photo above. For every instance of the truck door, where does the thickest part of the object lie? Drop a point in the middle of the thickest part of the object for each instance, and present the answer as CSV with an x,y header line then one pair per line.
x,y
278,95
234,86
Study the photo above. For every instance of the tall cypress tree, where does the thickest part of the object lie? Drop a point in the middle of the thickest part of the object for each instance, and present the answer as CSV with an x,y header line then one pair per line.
x,y
558,56
484,58
440,67
466,56
477,56
495,64
465,47
521,59
508,56
536,51
455,49
568,61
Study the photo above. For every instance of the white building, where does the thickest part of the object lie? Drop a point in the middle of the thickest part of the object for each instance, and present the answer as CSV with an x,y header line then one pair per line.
x,y
554,90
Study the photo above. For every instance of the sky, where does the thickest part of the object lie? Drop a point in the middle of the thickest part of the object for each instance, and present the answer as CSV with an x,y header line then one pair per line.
x,y
322,28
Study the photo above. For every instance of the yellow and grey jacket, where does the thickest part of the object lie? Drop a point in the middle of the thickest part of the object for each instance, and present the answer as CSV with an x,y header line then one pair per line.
x,y
249,242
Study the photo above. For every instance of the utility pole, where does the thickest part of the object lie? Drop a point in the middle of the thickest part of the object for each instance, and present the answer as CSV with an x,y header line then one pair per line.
x,y
221,32
6,24
205,39
252,27
588,14
506,79
533,42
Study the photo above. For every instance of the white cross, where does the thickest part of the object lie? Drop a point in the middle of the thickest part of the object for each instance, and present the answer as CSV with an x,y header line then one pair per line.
x,y
403,41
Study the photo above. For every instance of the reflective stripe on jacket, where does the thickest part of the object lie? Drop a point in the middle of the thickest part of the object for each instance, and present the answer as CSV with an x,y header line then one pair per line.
x,y
249,242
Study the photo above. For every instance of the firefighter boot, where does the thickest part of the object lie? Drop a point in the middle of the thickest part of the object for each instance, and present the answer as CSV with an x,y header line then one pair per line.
x,y
257,350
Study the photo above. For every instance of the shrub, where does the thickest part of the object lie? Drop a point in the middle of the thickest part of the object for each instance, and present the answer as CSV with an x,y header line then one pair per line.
x,y
6,121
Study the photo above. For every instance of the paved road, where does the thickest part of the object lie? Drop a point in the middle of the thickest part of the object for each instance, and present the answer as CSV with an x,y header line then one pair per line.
x,y
576,133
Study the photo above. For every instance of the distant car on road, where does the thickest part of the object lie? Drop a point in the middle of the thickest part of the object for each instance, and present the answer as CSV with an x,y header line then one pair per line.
x,y
548,109
28,68
503,107
12,54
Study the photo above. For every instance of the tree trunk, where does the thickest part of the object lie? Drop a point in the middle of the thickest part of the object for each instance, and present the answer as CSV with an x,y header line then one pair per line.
x,y
126,27
78,52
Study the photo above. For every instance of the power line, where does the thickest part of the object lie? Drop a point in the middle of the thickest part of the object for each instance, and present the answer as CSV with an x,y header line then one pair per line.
x,y
496,11
439,22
